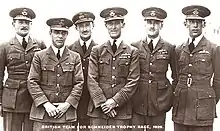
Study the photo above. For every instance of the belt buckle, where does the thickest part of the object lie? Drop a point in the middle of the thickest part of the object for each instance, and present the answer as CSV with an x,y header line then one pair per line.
x,y
189,82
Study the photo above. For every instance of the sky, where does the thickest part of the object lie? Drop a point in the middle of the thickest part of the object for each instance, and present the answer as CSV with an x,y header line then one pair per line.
x,y
173,30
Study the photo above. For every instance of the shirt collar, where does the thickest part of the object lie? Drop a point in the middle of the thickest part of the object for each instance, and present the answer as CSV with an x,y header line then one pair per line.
x,y
155,40
118,41
56,50
197,39
87,42
20,38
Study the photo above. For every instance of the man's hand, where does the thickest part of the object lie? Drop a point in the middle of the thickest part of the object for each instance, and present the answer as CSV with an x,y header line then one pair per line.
x,y
112,113
108,106
62,108
50,109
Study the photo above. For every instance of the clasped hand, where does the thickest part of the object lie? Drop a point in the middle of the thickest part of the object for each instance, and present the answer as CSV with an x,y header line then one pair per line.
x,y
108,108
54,111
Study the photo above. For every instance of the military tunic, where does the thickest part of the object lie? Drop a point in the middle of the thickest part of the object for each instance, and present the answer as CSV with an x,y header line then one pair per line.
x,y
14,95
55,81
84,100
195,97
112,76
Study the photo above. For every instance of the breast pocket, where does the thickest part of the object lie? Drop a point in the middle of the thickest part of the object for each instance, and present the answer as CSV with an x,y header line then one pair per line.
x,y
14,58
104,66
203,63
123,67
68,73
162,61
143,62
48,75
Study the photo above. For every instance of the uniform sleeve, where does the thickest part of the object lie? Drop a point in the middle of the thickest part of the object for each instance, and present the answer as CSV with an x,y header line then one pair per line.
x,y
123,95
216,79
34,82
173,66
95,91
2,68
78,81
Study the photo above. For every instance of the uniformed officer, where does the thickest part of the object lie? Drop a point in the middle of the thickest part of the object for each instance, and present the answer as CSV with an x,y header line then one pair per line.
x,y
84,23
55,82
16,55
195,97
153,97
113,75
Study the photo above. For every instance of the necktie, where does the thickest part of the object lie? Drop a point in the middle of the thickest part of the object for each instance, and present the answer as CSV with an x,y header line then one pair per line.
x,y
24,43
150,45
58,54
191,45
114,46
84,47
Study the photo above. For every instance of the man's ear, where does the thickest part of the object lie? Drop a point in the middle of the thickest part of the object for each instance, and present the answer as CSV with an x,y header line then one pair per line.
x,y
13,23
122,24
203,24
161,25
76,27
185,23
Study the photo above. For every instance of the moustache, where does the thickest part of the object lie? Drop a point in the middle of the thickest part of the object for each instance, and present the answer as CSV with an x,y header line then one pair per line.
x,y
24,28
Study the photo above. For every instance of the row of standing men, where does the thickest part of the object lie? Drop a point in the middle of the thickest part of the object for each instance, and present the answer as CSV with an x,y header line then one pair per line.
x,y
112,84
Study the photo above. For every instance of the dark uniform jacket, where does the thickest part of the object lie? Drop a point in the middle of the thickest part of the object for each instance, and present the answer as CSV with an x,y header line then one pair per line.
x,y
14,95
195,97
113,76
56,81
154,94
84,100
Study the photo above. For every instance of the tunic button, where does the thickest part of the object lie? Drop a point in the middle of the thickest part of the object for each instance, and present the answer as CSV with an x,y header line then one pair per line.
x,y
113,67
113,77
210,96
25,53
113,58
58,85
149,81
57,94
84,59
58,75
150,73
83,68
151,55
113,85
26,62
58,65
190,65
151,63
191,55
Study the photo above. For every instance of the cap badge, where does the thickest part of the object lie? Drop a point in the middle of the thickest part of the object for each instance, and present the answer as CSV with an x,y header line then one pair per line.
x,y
153,13
81,16
112,13
195,12
61,22
24,12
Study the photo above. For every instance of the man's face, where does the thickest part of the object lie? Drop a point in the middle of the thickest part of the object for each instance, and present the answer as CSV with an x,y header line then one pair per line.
x,y
22,27
114,28
58,37
85,30
195,27
153,28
